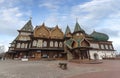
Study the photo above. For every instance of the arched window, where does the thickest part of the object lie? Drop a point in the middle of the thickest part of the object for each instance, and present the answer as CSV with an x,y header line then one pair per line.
x,y
45,44
29,45
26,45
110,46
56,44
18,45
39,43
77,34
22,45
34,43
102,46
106,46
60,44
51,43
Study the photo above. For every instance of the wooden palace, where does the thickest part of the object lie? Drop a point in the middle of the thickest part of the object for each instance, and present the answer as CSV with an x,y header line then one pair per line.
x,y
51,42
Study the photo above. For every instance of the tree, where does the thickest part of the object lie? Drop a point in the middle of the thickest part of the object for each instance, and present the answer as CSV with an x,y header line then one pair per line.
x,y
2,48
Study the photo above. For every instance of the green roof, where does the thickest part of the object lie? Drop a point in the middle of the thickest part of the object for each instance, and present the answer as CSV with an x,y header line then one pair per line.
x,y
67,30
99,36
28,26
78,28
78,41
69,43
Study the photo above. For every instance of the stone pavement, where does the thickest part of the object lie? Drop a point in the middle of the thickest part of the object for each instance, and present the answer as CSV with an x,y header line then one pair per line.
x,y
50,69
112,70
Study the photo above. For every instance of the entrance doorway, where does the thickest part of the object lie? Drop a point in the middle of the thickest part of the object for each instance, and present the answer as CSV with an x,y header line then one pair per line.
x,y
96,56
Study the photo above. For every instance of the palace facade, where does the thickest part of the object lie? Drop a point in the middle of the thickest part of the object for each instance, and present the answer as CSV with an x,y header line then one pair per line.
x,y
51,42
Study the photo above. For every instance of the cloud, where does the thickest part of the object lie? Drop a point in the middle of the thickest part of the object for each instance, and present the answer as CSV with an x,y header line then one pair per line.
x,y
12,16
98,14
12,19
8,13
101,15
1,1
49,5
116,43
10,22
95,10
52,20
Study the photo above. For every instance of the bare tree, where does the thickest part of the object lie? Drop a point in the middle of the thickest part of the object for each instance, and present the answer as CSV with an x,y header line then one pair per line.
x,y
2,48
2,52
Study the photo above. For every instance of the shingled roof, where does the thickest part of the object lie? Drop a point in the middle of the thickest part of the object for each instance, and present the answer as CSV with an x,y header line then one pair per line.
x,y
27,27
67,30
78,28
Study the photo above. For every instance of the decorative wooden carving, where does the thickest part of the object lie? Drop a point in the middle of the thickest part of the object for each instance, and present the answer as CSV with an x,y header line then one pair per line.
x,y
41,31
57,33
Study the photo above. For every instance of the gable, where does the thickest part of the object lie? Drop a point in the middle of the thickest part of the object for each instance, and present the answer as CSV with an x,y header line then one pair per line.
x,y
84,43
27,27
41,31
57,33
74,44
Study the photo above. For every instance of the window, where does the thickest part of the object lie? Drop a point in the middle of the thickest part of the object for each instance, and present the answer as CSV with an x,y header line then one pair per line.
x,y
29,45
94,45
34,43
110,46
56,44
21,38
11,48
102,46
22,45
51,43
106,46
27,38
29,29
12,45
26,45
60,44
45,44
39,44
18,45
77,34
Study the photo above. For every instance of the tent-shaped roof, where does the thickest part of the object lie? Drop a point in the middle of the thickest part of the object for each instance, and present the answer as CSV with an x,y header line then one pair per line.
x,y
67,30
27,27
78,28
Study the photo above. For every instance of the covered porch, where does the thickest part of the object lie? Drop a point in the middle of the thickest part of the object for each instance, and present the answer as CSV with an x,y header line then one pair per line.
x,y
47,53
81,53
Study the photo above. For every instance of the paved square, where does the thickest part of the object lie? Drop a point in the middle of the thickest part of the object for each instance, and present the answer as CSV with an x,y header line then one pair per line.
x,y
50,69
